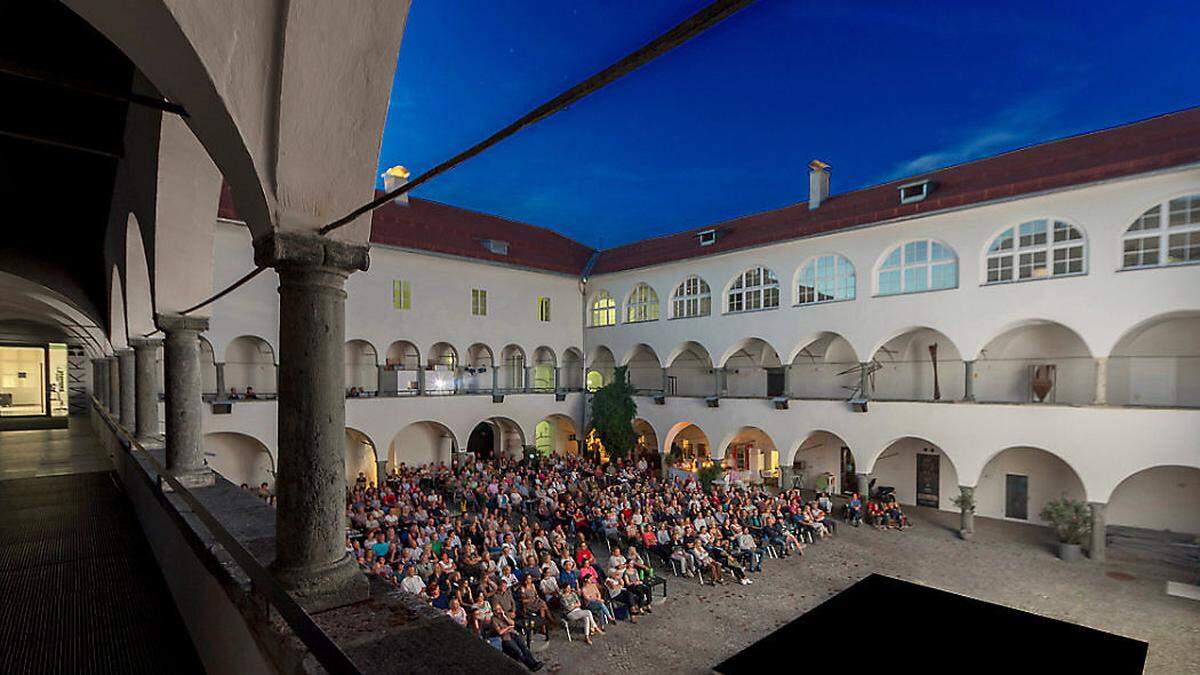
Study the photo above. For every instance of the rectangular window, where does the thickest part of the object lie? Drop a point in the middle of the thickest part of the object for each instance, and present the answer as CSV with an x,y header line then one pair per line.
x,y
478,302
735,302
1032,233
916,279
889,282
1032,265
1183,247
543,309
401,295
1068,260
1141,252
1000,269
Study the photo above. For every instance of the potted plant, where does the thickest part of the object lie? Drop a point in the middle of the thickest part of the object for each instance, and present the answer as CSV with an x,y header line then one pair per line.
x,y
708,473
1072,525
965,501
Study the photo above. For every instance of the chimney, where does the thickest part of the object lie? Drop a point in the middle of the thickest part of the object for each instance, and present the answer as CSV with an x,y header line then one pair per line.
x,y
394,178
818,183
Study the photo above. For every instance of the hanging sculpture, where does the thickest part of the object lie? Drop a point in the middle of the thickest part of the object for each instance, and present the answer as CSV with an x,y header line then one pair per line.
x,y
937,391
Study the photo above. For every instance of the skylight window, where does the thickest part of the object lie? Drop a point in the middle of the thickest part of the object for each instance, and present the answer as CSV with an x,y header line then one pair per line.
x,y
496,246
707,237
915,192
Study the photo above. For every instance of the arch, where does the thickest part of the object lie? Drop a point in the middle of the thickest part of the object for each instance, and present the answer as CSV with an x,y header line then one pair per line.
x,y
824,366
441,369
823,461
250,364
1151,242
690,371
480,362
1035,249
906,371
361,457
1048,351
139,303
688,445
919,470
824,278
571,378
641,304
117,328
545,368
1047,476
401,372
361,365
208,368
496,437
600,368
645,370
557,435
421,443
240,458
753,289
647,439
752,369
602,309
915,266
750,455
1157,362
512,368
403,355
1158,498
691,298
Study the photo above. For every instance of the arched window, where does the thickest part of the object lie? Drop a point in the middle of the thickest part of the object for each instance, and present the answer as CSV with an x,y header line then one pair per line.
x,y
604,309
826,278
1151,242
642,305
691,298
1035,250
923,265
756,288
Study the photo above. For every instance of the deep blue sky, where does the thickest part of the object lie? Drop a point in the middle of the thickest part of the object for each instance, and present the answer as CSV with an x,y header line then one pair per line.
x,y
726,124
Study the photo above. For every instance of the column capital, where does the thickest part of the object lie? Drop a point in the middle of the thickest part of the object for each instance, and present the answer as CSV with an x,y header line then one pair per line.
x,y
118,351
177,322
145,343
306,249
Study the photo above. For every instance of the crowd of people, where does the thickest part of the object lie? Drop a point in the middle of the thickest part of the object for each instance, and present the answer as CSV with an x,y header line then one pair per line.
x,y
507,548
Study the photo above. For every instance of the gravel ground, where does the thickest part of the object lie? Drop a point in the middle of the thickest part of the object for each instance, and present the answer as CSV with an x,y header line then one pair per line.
x,y
1007,563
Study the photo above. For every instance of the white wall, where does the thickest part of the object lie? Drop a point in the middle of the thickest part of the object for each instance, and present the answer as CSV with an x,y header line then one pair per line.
x,y
897,467
1165,497
239,458
1049,478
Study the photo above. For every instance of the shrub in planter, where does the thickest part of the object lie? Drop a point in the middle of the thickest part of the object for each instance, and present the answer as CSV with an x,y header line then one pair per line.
x,y
1072,523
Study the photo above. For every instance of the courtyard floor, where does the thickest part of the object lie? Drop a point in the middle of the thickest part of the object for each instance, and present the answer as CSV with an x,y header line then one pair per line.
x,y
1007,563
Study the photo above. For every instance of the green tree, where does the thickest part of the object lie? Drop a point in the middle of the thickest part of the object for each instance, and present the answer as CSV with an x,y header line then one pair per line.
x,y
613,410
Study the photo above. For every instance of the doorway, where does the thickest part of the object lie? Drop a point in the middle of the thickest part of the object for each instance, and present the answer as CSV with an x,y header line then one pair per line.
x,y
482,442
775,382
1016,496
928,480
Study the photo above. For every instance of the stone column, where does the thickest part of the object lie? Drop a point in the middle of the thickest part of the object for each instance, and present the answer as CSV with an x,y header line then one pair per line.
x,y
1099,531
1101,381
969,381
222,392
420,371
786,473
445,449
787,380
665,379
100,380
495,380
717,373
310,559
145,390
114,385
127,370
557,379
379,375
381,471
181,371
863,484
864,379
527,374
967,515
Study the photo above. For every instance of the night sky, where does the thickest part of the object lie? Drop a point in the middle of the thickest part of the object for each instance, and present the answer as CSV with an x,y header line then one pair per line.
x,y
726,124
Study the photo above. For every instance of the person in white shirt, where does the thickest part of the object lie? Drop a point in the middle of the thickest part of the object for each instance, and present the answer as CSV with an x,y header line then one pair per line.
x,y
413,583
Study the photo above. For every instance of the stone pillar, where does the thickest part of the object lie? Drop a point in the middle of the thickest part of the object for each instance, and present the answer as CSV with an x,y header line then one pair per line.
x,y
864,379
717,373
127,370
557,379
310,558
665,379
114,385
100,380
786,473
222,392
527,382
381,471
1101,381
420,371
445,449
1099,531
966,524
145,390
969,381
495,380
787,380
181,370
863,484
379,375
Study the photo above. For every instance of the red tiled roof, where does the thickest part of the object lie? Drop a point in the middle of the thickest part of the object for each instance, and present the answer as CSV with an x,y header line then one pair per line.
x,y
1158,143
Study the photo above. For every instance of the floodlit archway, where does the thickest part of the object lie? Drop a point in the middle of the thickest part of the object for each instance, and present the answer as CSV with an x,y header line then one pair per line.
x,y
250,365
752,369
1157,363
919,472
824,462
545,365
361,364
600,371
920,364
1035,361
750,456
512,368
477,372
571,377
823,367
1158,498
645,371
240,459
1016,483
687,445
557,435
647,441
422,443
402,372
361,457
441,369
690,371
496,437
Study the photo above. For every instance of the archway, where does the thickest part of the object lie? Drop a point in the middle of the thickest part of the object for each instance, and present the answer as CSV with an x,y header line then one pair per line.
x,y
512,368
361,457
441,371
823,368
250,365
690,371
1017,482
750,456
557,435
571,378
687,445
477,374
496,437
403,365
1159,498
600,370
422,443
544,366
647,442
241,459
919,472
907,371
361,363
138,302
1039,352
645,370
823,462
208,369
752,369
1157,363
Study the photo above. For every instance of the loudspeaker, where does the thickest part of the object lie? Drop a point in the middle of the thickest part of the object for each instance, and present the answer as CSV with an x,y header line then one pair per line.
x,y
858,405
781,402
712,402
560,396
659,399
222,408
497,398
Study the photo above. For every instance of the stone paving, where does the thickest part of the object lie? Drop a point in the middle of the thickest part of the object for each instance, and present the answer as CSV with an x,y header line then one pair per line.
x,y
1007,563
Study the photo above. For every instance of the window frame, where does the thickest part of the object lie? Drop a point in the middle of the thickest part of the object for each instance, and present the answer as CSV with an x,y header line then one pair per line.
x,y
401,295
742,288
1012,259
609,310
682,296
478,302
904,266
837,279
543,308
642,305
1161,234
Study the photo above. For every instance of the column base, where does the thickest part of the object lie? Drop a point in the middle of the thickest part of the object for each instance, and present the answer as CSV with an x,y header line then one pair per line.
x,y
319,589
199,478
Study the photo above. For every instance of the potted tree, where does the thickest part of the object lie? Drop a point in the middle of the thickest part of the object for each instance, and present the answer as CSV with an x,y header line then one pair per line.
x,y
1072,525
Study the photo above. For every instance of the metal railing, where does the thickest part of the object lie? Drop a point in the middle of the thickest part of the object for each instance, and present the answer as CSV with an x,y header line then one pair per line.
x,y
323,648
